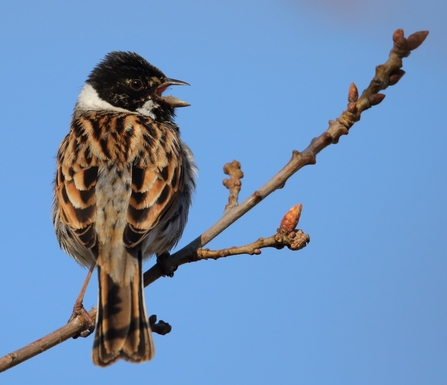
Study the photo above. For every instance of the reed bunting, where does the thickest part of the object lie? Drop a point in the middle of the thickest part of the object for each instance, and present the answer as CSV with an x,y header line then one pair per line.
x,y
122,193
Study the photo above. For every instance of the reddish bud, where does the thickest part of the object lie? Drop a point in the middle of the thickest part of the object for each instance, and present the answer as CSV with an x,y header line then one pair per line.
x,y
376,99
398,34
399,40
353,93
290,220
396,76
416,39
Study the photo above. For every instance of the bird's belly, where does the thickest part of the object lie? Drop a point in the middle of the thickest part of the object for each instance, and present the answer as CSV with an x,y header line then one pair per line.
x,y
113,190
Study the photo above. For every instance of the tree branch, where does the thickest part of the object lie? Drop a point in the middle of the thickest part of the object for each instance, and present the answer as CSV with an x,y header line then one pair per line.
x,y
286,235
387,74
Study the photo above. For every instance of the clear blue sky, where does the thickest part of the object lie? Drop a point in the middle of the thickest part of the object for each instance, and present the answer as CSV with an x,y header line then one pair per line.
x,y
364,303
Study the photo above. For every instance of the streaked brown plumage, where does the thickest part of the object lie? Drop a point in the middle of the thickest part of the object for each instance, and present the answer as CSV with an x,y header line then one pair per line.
x,y
122,193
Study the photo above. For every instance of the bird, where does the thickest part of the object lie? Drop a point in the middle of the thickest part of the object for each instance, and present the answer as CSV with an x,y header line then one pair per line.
x,y
122,192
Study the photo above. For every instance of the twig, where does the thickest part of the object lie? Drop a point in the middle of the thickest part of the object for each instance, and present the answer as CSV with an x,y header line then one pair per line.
x,y
386,75
234,184
286,235
294,241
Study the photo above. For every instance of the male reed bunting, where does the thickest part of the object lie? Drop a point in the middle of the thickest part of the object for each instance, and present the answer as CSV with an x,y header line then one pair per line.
x,y
122,193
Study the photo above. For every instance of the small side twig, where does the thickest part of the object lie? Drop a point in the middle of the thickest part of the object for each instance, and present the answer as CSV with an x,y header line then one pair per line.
x,y
295,240
234,184
286,235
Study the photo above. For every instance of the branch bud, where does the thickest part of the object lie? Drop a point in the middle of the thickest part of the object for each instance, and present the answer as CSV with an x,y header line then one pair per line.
x,y
376,99
398,34
290,220
396,76
416,39
353,93
399,39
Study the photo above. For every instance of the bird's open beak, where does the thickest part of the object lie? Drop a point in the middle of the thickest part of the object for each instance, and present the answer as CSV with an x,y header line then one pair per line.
x,y
171,100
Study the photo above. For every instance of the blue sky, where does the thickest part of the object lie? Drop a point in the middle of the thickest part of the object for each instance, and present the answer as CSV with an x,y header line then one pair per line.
x,y
364,303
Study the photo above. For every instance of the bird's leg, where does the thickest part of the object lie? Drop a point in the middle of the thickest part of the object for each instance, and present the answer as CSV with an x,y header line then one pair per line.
x,y
79,310
165,267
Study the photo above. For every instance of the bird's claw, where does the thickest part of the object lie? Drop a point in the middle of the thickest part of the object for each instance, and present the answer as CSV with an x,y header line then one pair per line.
x,y
79,310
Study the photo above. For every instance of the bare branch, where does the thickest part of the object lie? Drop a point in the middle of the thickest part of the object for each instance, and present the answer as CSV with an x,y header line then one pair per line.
x,y
386,75
286,235
293,240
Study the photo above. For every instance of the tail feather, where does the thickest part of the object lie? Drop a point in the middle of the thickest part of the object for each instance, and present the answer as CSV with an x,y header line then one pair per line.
x,y
122,326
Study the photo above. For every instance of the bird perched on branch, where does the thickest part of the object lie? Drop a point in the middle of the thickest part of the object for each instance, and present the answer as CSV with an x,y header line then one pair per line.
x,y
122,193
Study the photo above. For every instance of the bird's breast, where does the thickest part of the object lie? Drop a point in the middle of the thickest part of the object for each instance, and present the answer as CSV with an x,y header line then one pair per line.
x,y
113,190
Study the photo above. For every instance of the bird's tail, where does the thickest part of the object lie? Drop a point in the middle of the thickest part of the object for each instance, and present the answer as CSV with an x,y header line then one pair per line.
x,y
122,326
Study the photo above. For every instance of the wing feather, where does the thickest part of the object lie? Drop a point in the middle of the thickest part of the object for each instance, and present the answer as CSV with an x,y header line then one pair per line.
x,y
75,191
155,186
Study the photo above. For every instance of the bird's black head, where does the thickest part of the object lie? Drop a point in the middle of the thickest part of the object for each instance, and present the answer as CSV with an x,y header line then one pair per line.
x,y
126,80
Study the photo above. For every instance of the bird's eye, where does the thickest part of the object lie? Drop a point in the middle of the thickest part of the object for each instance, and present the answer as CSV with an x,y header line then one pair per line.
x,y
136,84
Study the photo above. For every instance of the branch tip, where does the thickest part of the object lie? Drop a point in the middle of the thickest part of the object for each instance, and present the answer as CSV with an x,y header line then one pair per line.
x,y
416,39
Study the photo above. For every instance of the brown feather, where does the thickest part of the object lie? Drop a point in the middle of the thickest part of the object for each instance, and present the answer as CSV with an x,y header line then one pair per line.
x,y
122,328
120,191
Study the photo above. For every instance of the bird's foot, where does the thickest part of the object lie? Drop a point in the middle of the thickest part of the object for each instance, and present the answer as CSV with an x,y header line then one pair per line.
x,y
79,310
165,266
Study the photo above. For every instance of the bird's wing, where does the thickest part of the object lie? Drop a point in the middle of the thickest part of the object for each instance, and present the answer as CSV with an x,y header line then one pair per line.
x,y
157,172
157,180
75,182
